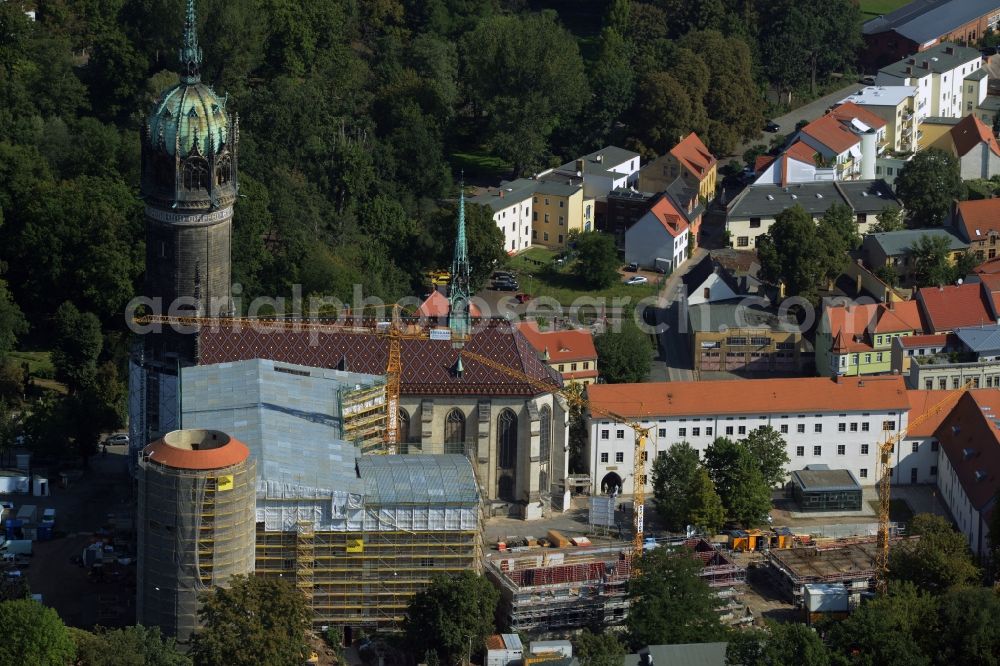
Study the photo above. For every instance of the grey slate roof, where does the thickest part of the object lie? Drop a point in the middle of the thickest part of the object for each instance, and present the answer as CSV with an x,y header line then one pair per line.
x,y
937,60
924,20
898,243
811,480
514,192
980,339
863,196
977,75
679,194
991,103
609,155
712,317
558,186
686,654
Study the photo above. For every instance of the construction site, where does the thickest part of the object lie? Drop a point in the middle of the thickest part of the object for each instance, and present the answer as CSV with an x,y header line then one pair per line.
x,y
545,591
848,562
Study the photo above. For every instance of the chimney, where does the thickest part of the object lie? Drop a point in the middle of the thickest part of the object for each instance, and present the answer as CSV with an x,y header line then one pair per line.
x,y
891,303
500,193
579,167
645,659
909,70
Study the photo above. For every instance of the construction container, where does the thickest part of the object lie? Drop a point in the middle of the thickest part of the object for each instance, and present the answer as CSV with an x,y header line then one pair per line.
x,y
28,513
556,539
503,649
783,537
554,649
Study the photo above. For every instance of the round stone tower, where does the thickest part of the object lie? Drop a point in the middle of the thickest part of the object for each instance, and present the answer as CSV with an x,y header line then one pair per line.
x,y
189,183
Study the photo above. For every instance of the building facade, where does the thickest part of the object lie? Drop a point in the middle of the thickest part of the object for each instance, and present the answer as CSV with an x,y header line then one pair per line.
x,y
689,160
511,205
739,337
895,249
896,105
856,339
837,422
570,352
939,75
659,239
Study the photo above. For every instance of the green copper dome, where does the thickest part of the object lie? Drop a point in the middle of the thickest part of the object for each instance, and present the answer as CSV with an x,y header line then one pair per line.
x,y
187,115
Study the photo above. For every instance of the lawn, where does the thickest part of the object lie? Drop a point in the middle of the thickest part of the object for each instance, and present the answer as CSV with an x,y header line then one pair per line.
x,y
872,8
538,275
480,166
39,362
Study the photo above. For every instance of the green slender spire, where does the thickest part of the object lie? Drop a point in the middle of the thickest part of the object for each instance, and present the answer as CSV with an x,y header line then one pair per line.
x,y
458,292
190,53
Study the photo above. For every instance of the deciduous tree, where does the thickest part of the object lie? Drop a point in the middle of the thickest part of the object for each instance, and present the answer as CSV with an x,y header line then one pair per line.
x,y
670,603
930,261
603,649
77,345
131,646
793,253
739,481
927,185
684,493
452,612
770,450
890,219
625,355
778,645
938,559
597,260
252,621
33,635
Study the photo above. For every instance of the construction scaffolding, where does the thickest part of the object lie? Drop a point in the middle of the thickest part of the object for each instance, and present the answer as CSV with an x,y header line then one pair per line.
x,y
363,417
194,528
851,562
413,516
552,591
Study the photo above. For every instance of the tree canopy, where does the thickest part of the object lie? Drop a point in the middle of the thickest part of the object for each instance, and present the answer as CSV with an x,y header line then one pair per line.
x,y
131,646
624,355
801,255
938,559
740,481
930,261
770,451
33,635
683,491
254,620
603,649
596,260
450,613
927,185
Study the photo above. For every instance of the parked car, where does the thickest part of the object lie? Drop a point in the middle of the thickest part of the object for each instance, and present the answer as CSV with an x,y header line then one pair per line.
x,y
504,275
505,285
113,440
523,298
632,267
637,279
772,127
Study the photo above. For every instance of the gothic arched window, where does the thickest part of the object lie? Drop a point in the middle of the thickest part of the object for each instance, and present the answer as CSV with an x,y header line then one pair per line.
x,y
224,172
454,427
195,174
403,426
507,439
544,434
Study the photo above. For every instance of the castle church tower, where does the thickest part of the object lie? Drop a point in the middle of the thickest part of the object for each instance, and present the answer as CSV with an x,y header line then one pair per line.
x,y
189,185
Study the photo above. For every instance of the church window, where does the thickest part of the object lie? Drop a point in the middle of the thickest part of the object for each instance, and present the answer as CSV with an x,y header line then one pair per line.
x,y
544,434
225,171
507,439
403,427
195,174
454,427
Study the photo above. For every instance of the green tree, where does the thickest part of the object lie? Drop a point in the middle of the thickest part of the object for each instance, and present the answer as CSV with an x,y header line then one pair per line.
x,y
450,613
935,561
778,645
838,224
603,649
928,184
793,253
887,273
131,646
253,621
669,603
12,322
964,265
624,356
33,635
522,93
739,481
967,630
612,80
930,260
890,219
77,345
684,493
771,452
597,260
891,630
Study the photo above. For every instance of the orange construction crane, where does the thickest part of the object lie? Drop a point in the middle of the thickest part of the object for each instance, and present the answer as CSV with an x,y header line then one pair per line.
x,y
395,330
577,399
886,450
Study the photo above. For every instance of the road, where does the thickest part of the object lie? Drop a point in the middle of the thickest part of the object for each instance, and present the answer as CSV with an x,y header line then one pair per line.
x,y
673,341
810,112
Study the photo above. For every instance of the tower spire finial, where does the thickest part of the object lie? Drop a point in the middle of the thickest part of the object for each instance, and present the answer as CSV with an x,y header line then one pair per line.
x,y
190,53
459,320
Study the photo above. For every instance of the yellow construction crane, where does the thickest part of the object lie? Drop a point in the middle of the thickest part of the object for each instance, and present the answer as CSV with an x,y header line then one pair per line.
x,y
395,331
886,450
577,399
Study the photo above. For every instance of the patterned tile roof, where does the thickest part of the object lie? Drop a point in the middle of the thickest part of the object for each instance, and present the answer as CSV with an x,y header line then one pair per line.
x,y
428,365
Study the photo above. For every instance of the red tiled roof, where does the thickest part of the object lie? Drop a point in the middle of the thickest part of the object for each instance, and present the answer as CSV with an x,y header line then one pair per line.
x,y
832,130
970,437
580,374
976,219
802,152
561,346
758,396
922,402
858,322
933,340
671,219
428,365
969,132
694,156
988,267
232,452
437,306
762,162
947,308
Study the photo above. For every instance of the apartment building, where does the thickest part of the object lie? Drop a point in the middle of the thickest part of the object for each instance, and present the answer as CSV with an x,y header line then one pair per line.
x,y
896,105
690,160
848,139
856,339
570,352
939,75
837,422
559,207
511,204
895,248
